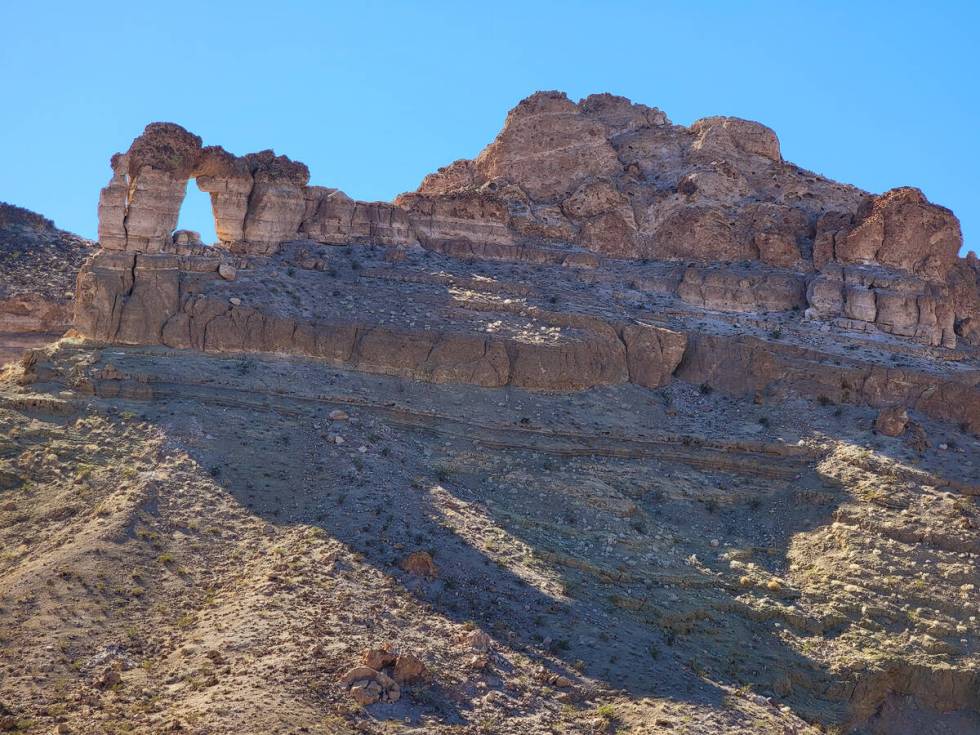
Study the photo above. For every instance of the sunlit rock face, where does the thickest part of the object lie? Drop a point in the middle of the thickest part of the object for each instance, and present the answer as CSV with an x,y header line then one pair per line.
x,y
582,184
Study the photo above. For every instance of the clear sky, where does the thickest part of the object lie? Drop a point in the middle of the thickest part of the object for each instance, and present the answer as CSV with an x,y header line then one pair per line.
x,y
374,95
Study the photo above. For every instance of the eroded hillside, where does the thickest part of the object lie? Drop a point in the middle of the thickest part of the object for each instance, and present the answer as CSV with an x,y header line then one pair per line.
x,y
621,426
191,539
38,267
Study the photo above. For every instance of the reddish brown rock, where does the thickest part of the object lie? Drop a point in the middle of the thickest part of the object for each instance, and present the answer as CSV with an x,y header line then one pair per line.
x,y
747,366
777,232
420,564
378,658
731,135
892,421
408,668
742,289
711,216
700,233
652,354
367,686
901,229
549,147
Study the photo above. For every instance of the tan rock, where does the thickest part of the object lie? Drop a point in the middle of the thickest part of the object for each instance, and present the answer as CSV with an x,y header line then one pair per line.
x,y
859,303
365,693
700,233
776,231
187,237
378,658
619,115
901,229
652,354
549,147
420,564
892,421
742,290
408,668
731,135
825,296
367,685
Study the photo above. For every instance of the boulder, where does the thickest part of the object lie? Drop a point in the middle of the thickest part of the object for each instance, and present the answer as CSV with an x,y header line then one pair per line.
x,y
420,564
892,421
187,237
378,658
901,229
368,686
408,668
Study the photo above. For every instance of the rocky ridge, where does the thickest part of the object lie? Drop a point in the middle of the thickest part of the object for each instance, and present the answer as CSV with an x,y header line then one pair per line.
x,y
39,264
572,183
641,250
702,455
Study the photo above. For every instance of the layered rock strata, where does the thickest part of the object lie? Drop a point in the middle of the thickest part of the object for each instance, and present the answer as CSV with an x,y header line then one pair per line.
x,y
431,318
634,249
38,267
183,302
569,183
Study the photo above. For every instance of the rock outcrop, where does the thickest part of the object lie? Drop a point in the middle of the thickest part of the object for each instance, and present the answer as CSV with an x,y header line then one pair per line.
x,y
569,183
38,267
654,249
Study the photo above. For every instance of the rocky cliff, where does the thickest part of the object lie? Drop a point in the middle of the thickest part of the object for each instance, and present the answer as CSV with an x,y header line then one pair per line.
x,y
589,244
622,426
38,267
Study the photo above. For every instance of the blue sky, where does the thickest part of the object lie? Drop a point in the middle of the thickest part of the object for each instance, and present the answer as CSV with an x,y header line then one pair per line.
x,y
373,95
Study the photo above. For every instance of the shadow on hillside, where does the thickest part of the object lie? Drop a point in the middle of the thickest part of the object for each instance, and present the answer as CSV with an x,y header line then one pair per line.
x,y
619,628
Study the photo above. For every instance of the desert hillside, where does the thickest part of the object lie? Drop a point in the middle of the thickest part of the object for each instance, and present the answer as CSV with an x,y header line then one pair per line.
x,y
621,426
39,264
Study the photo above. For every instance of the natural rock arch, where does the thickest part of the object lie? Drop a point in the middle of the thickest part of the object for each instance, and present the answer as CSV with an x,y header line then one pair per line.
x,y
258,200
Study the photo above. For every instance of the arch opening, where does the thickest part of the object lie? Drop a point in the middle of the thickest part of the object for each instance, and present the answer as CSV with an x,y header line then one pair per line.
x,y
196,214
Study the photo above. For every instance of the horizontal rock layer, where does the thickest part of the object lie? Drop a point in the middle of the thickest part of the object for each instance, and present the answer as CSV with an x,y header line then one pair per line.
x,y
477,337
572,183
132,298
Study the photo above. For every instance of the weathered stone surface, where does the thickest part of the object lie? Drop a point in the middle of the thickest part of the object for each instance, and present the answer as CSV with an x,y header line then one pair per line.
x,y
700,233
859,303
777,232
470,217
652,354
367,686
749,366
891,301
740,289
892,421
38,267
408,668
901,229
709,218
721,136
187,237
549,147
228,179
609,176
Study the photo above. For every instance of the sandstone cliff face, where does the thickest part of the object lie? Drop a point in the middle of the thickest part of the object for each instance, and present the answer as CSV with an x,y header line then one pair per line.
x,y
706,226
178,301
569,183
